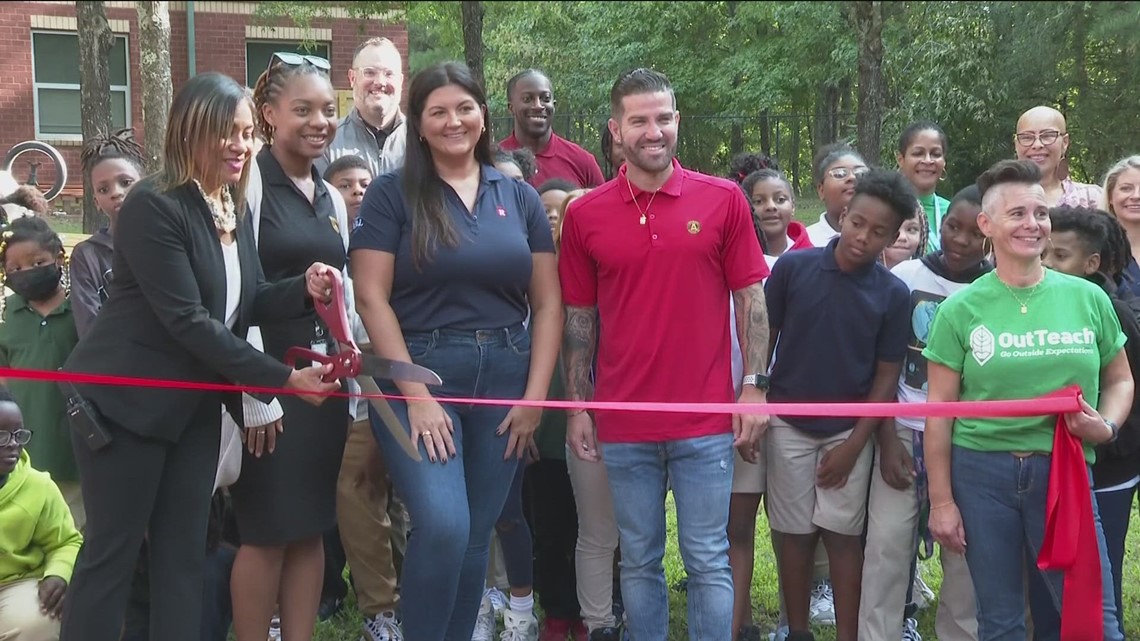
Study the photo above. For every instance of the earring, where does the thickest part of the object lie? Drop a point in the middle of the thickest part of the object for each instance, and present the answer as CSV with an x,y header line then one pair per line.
x,y
483,129
421,138
943,176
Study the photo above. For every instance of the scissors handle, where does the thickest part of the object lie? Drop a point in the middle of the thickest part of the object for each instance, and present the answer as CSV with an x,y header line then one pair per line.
x,y
335,316
346,364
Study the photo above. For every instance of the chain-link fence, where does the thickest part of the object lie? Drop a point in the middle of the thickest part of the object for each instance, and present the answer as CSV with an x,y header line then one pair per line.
x,y
708,143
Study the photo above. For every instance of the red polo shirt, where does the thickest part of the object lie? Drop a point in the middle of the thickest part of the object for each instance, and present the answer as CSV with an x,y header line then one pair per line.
x,y
662,292
561,159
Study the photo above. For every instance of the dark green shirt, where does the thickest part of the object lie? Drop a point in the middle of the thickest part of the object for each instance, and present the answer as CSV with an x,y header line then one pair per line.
x,y
31,341
551,435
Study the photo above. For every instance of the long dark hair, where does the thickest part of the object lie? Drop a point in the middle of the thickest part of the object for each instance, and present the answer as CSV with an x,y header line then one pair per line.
x,y
423,188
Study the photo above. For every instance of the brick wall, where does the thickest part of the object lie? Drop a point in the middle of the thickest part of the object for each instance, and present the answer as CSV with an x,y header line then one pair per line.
x,y
220,34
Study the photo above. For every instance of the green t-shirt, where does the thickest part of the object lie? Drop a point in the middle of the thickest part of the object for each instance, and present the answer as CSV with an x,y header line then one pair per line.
x,y
31,341
935,207
1069,333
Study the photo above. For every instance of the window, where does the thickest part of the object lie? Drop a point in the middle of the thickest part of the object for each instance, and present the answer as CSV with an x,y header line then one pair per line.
x,y
258,53
55,74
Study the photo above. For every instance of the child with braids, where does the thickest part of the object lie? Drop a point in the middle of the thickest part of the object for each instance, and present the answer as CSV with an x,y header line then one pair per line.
x,y
1091,244
113,163
38,332
285,497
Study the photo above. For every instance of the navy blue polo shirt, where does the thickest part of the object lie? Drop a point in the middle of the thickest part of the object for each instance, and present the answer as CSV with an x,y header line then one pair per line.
x,y
833,328
482,282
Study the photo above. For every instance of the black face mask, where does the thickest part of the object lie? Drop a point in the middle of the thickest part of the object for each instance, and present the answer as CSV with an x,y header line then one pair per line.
x,y
35,284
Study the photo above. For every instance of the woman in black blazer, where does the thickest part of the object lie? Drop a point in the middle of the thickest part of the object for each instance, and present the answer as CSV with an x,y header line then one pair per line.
x,y
187,284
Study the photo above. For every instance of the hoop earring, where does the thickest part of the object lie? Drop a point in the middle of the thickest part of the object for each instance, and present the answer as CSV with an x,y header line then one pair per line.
x,y
943,176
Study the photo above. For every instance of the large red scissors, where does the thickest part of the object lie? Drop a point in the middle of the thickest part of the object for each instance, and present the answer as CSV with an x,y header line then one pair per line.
x,y
349,362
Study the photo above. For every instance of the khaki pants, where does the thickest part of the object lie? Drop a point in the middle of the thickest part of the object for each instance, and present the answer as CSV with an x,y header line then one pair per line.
x,y
597,541
372,522
957,617
20,616
74,498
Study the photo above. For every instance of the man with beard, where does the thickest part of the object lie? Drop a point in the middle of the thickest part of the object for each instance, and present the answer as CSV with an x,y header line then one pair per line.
x,y
374,129
531,100
647,264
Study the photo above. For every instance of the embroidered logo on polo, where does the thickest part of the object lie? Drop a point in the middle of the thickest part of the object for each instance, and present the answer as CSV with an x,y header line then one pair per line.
x,y
693,226
358,223
501,211
982,344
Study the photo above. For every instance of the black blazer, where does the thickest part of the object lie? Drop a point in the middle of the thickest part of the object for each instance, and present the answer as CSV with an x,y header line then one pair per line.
x,y
164,317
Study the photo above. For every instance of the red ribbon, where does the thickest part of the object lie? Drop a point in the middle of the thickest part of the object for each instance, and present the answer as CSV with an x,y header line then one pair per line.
x,y
1050,405
1070,544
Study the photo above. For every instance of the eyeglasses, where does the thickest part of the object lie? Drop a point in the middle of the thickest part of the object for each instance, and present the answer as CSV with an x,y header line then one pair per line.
x,y
373,73
295,59
19,437
841,173
1028,138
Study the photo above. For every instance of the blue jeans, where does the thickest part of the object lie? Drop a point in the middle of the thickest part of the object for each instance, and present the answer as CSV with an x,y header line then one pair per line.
x,y
1115,509
453,506
700,473
515,536
1002,499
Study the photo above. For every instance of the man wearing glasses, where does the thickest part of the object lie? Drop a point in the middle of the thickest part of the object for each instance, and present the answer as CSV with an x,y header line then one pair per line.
x,y
38,543
374,129
1043,138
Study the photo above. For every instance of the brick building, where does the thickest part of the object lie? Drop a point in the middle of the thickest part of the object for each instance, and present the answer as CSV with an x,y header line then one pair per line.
x,y
39,77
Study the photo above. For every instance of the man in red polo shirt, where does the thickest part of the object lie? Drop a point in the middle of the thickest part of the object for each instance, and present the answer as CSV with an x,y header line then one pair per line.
x,y
647,264
531,100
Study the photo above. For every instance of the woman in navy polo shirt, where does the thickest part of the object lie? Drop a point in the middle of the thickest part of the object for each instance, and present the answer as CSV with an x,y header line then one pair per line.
x,y
447,255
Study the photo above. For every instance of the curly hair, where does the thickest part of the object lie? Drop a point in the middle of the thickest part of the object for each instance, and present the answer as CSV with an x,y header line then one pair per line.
x,y
1100,233
29,198
745,164
118,145
37,230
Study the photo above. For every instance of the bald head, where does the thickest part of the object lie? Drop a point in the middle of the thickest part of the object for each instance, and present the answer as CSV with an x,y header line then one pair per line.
x,y
1042,117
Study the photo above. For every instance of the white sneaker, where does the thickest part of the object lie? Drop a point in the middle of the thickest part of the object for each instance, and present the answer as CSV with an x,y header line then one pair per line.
x,y
781,634
498,599
485,622
822,607
921,593
910,631
520,626
275,628
383,627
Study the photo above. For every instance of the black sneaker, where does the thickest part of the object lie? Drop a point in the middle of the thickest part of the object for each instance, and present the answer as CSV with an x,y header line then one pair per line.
x,y
748,633
801,636
605,634
329,608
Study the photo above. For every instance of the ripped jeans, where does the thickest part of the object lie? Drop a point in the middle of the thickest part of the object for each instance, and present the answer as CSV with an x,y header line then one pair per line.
x,y
699,473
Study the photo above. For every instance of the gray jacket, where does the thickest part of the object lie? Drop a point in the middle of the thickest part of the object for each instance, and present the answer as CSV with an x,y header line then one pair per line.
x,y
355,137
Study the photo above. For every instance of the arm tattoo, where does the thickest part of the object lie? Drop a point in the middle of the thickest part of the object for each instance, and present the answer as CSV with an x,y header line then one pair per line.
x,y
579,340
752,327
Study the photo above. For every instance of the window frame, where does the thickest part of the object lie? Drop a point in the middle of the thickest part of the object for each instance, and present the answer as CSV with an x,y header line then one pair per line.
x,y
61,86
287,44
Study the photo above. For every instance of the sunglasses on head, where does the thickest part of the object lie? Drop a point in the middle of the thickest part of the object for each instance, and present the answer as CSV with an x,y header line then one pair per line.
x,y
295,59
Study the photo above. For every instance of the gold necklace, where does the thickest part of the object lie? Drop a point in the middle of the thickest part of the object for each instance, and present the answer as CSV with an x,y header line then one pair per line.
x,y
639,209
1024,303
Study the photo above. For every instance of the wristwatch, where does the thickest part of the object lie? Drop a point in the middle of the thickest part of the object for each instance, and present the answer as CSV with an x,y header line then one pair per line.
x,y
759,381
1115,429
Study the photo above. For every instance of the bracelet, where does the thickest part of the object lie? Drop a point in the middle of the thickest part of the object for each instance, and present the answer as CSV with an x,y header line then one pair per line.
x,y
573,413
941,505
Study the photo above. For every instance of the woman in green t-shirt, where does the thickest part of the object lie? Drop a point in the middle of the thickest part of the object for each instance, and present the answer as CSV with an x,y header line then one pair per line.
x,y
922,159
1020,331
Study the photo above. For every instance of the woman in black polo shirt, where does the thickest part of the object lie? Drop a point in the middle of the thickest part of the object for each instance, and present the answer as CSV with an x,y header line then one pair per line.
x,y
285,498
447,255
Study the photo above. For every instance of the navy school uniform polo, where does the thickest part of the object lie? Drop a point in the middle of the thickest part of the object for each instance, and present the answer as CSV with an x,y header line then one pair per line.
x,y
482,282
833,328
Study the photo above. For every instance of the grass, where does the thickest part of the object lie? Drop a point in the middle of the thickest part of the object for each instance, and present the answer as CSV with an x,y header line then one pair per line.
x,y
346,626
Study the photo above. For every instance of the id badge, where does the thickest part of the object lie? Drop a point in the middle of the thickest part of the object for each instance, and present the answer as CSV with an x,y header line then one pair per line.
x,y
320,342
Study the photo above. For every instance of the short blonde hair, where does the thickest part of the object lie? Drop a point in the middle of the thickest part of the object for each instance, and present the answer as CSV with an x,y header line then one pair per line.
x,y
1131,162
379,41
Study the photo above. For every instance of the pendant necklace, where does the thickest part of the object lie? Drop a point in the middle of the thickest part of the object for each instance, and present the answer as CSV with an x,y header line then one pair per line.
x,y
641,211
1024,303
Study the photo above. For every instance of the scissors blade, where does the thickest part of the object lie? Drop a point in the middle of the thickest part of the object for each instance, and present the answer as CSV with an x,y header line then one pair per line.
x,y
397,370
384,410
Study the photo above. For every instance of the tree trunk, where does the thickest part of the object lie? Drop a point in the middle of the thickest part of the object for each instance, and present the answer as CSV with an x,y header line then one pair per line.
x,y
868,17
95,43
473,38
765,133
826,115
154,54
